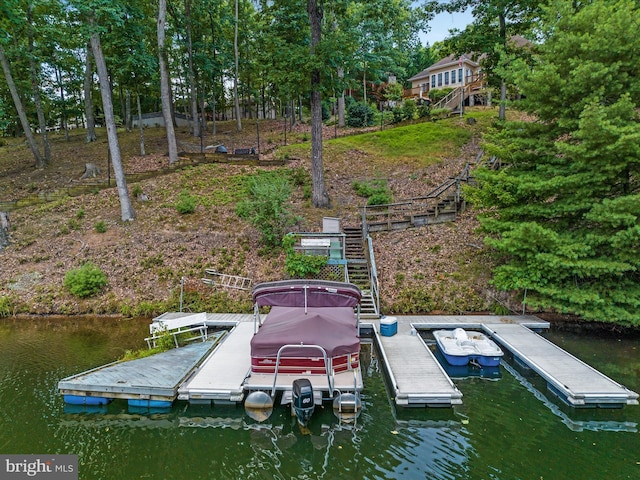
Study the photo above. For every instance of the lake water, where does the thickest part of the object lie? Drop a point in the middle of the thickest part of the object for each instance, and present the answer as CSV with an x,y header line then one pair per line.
x,y
507,428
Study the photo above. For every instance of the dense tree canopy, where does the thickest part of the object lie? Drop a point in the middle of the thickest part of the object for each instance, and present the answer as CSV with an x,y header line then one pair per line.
x,y
564,210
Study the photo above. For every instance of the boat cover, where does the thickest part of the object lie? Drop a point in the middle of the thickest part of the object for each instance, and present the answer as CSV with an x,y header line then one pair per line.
x,y
334,329
306,293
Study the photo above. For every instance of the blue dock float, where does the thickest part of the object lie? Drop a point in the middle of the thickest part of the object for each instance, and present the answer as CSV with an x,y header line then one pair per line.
x,y
150,382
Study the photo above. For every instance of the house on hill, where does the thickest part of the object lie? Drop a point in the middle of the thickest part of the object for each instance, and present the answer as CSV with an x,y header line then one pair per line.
x,y
462,73
450,72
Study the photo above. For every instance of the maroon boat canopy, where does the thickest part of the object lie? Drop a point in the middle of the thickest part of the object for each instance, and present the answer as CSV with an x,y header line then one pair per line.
x,y
334,329
306,293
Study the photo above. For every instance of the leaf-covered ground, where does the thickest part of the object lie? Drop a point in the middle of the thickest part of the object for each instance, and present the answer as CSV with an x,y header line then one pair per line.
x,y
442,268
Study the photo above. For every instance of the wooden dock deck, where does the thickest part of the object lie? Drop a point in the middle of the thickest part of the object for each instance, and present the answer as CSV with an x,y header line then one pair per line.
x,y
575,382
416,377
206,372
152,378
222,374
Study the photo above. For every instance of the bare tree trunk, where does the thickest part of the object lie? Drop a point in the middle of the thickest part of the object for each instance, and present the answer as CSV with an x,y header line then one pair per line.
x,y
4,230
193,95
294,118
140,125
235,76
22,115
88,103
502,111
165,92
203,115
126,208
502,114
127,111
341,99
320,197
35,87
63,118
364,83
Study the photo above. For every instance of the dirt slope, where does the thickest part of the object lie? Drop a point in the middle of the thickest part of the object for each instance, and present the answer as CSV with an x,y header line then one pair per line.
x,y
431,269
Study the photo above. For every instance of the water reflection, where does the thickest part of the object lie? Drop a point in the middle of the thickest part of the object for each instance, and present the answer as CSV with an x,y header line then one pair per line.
x,y
504,429
573,425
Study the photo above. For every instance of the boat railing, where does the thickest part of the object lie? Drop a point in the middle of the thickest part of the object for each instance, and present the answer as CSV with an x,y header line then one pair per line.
x,y
298,346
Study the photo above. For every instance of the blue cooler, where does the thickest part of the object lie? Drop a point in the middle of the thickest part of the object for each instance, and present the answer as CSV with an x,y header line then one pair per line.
x,y
388,326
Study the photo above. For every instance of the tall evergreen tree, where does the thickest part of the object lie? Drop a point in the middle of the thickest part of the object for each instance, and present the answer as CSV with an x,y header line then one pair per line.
x,y
564,211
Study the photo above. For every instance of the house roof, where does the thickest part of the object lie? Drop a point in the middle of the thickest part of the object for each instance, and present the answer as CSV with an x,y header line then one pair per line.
x,y
451,60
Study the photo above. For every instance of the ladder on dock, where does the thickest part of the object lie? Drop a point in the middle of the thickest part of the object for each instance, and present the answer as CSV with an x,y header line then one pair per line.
x,y
217,279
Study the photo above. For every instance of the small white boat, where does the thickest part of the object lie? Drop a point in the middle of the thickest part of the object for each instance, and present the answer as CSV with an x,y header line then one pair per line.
x,y
460,347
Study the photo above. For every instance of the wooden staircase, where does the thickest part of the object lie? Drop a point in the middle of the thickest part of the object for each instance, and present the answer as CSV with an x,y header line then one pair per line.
x,y
359,272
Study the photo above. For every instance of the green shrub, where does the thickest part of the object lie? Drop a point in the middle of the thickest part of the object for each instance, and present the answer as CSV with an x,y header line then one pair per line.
x,y
6,306
398,114
439,94
136,191
100,227
300,265
360,115
380,198
326,111
409,109
85,281
265,208
376,191
366,189
440,113
186,203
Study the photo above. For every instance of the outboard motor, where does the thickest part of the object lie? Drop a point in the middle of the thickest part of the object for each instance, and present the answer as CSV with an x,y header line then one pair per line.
x,y
302,400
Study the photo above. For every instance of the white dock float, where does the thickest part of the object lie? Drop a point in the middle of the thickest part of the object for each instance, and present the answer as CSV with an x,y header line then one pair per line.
x,y
222,374
416,377
575,382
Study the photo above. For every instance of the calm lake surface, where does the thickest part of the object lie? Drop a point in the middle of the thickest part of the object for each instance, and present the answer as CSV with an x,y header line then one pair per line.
x,y
508,428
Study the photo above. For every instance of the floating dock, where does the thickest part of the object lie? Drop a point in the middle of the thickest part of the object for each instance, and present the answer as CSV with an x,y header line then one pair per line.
x,y
222,374
575,382
152,379
416,378
208,372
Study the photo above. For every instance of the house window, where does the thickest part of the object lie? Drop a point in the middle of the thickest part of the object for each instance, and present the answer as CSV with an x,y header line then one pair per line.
x,y
453,76
439,79
446,78
460,75
433,81
424,87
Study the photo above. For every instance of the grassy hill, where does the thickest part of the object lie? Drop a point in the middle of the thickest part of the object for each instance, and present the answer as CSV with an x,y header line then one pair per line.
x,y
441,268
